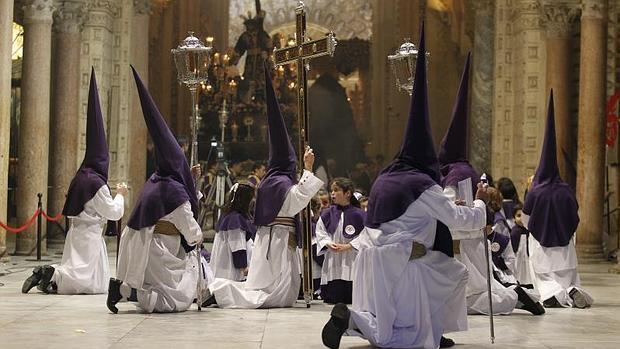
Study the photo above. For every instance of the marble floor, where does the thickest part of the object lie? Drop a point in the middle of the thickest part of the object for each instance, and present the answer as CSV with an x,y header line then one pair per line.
x,y
37,320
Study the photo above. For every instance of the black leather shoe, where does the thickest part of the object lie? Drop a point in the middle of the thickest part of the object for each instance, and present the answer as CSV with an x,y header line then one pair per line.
x,y
336,326
579,300
33,280
552,303
114,294
47,271
528,303
209,301
446,342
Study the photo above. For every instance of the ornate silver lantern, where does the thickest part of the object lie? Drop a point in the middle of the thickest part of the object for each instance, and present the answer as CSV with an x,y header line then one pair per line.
x,y
403,64
191,58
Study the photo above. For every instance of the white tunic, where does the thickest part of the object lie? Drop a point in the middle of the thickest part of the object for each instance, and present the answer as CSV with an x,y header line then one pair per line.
x,y
164,275
555,270
274,271
522,265
84,268
336,265
224,244
402,303
472,254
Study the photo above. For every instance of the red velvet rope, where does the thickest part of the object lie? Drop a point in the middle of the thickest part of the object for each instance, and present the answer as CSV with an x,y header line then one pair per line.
x,y
56,218
23,227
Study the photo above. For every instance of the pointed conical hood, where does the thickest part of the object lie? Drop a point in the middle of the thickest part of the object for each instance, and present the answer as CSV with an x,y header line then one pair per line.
x,y
453,152
551,203
415,167
548,166
281,169
281,151
93,173
454,144
417,149
172,183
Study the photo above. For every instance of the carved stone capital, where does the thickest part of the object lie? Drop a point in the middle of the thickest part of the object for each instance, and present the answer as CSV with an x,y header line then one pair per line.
x,y
70,16
594,9
38,11
103,12
558,16
142,7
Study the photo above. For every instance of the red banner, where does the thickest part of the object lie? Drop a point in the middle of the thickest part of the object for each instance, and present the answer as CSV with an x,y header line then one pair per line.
x,y
611,129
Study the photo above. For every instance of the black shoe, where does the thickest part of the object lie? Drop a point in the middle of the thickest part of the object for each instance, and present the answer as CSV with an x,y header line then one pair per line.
x,y
552,303
579,300
336,326
47,271
446,342
528,303
209,301
33,280
114,294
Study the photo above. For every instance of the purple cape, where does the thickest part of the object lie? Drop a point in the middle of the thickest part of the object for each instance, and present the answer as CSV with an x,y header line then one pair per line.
x,y
515,236
234,220
171,184
353,216
551,203
93,173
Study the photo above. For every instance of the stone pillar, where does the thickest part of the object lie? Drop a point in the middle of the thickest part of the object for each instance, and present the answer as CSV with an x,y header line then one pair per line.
x,y
558,17
591,133
6,30
65,118
137,128
34,119
480,116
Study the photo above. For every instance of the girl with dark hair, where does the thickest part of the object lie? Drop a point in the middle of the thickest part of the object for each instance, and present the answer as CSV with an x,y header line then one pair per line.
x,y
510,198
234,234
337,227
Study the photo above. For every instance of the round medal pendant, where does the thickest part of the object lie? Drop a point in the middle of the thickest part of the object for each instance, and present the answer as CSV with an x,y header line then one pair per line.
x,y
349,229
495,247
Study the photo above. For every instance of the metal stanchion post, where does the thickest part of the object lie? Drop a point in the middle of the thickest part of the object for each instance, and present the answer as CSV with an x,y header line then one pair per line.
x,y
39,207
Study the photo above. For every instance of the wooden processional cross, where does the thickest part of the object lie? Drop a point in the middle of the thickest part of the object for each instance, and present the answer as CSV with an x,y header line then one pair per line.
x,y
301,53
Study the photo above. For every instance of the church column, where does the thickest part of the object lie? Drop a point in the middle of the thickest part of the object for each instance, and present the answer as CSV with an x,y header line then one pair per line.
x,y
65,119
558,18
34,118
138,133
481,120
6,34
591,133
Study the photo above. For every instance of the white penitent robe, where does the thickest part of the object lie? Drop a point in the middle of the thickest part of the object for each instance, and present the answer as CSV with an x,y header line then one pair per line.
x,y
402,303
336,265
273,277
555,270
84,268
472,254
522,266
224,244
164,275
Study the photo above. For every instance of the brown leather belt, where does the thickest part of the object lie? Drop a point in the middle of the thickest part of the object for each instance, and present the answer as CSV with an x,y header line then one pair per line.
x,y
166,228
417,251
286,221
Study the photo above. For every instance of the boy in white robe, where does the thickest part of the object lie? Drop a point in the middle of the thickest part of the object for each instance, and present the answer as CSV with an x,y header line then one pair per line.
x,y
550,213
84,268
407,289
158,263
274,272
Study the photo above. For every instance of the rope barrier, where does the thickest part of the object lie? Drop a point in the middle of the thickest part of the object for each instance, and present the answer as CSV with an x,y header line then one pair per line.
x,y
23,227
56,218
